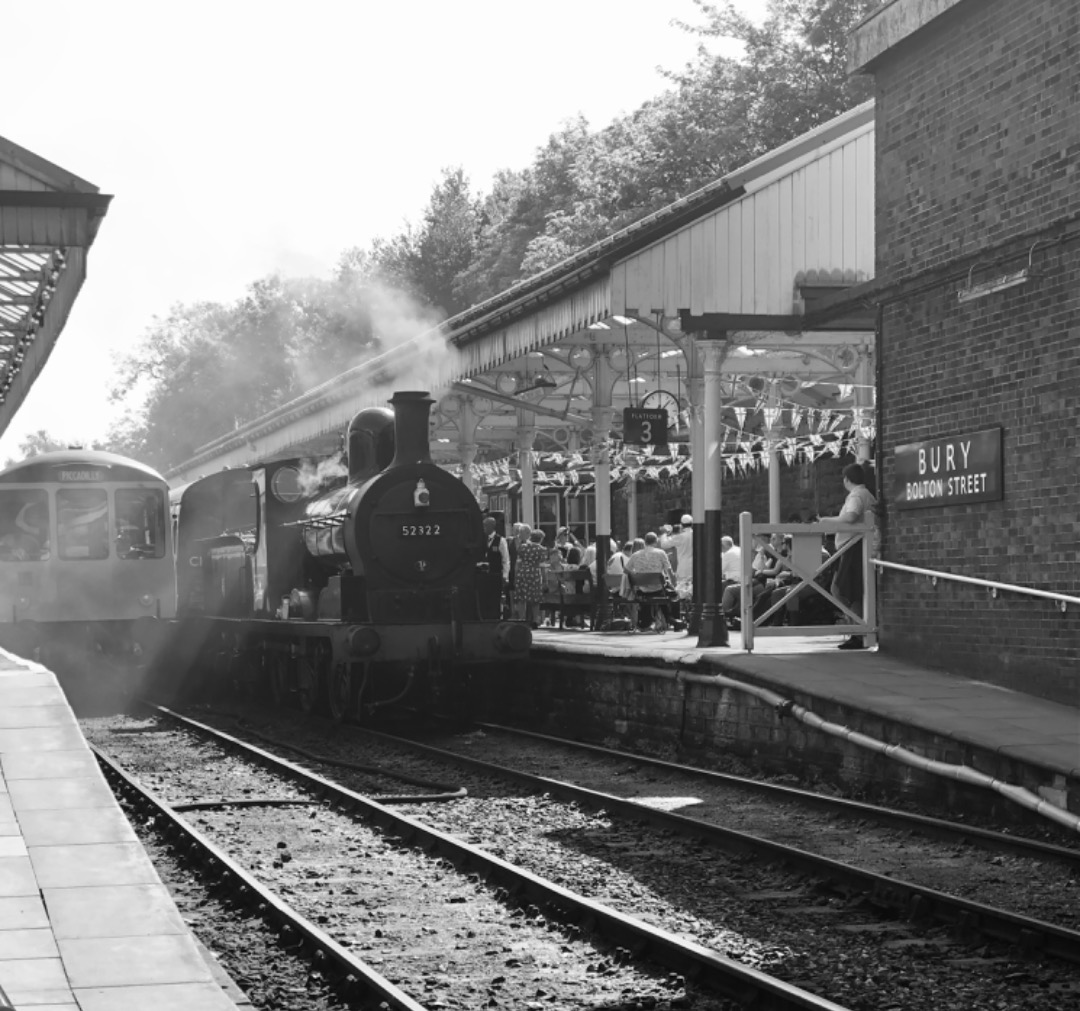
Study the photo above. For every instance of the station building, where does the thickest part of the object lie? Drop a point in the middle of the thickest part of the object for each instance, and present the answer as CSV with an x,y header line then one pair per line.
x,y
905,274
977,293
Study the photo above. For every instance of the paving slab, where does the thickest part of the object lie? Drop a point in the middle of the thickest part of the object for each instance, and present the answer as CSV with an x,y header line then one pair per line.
x,y
17,877
59,794
92,864
12,846
53,827
27,740
28,943
38,997
132,961
34,716
79,763
30,974
22,912
43,694
113,911
171,997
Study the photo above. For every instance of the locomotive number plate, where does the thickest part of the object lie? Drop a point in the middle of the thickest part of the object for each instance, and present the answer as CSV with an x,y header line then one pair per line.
x,y
420,530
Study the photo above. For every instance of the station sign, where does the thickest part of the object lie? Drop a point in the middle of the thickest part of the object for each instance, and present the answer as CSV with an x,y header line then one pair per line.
x,y
644,426
959,470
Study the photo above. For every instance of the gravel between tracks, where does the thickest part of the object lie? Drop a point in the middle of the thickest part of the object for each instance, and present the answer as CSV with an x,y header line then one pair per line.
x,y
763,916
443,937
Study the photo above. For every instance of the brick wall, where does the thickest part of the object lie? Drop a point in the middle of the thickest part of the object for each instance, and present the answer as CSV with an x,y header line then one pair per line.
x,y
978,148
655,707
976,131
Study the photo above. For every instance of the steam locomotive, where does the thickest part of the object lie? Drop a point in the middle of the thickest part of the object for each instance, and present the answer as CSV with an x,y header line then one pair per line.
x,y
347,598
86,561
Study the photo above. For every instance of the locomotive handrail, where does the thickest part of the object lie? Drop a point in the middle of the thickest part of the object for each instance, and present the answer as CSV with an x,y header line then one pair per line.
x,y
990,584
330,520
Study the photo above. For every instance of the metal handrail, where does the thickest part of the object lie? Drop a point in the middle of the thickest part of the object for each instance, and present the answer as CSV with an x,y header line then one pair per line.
x,y
990,584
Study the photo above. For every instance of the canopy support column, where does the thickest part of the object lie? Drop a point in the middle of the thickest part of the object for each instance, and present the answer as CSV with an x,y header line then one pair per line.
x,y
695,391
774,481
526,434
713,628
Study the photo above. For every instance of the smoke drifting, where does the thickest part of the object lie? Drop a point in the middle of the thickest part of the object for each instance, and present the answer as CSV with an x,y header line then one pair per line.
x,y
316,474
380,330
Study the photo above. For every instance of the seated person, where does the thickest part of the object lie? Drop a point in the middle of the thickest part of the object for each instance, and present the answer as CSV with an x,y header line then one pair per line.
x,y
653,558
767,567
805,606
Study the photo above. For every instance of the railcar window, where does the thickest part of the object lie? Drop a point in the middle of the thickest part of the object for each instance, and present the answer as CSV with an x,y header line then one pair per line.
x,y
24,525
83,528
140,523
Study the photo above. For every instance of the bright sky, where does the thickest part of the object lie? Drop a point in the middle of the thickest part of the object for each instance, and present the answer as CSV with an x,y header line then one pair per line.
x,y
244,138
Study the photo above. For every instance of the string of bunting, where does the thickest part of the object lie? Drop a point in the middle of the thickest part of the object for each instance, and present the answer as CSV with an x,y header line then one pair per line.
x,y
743,453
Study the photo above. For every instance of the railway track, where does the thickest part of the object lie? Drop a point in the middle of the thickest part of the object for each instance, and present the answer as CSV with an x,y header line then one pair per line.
x,y
612,947
929,846
848,922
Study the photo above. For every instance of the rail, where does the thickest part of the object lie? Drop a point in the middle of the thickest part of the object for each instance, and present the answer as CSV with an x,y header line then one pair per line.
x,y
995,587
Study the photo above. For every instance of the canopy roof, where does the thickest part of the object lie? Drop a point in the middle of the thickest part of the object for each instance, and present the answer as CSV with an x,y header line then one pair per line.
x,y
48,221
744,261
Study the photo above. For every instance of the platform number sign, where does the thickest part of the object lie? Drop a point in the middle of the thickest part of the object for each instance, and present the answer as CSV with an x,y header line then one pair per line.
x,y
643,426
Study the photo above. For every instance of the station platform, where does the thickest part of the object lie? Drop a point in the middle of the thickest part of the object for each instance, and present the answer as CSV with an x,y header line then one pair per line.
x,y
85,922
1012,737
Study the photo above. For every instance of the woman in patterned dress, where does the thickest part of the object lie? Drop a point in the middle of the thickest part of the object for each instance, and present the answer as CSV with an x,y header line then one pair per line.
x,y
528,585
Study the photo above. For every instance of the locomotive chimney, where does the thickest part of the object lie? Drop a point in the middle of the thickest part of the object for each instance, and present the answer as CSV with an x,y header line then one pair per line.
x,y
411,439
371,443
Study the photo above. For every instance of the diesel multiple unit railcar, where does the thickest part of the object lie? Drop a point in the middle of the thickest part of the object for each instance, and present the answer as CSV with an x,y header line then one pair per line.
x,y
86,556
346,597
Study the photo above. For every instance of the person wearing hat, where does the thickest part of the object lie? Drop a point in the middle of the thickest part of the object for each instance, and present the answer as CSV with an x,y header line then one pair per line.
x,y
682,540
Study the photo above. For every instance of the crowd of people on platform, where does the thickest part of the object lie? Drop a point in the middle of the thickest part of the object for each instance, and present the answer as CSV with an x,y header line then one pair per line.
x,y
518,569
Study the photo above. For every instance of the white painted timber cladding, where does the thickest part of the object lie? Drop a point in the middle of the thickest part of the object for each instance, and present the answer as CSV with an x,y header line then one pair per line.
x,y
812,222
12,178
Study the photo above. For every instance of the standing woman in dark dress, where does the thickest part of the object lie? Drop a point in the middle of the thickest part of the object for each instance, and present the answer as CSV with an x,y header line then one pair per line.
x,y
528,585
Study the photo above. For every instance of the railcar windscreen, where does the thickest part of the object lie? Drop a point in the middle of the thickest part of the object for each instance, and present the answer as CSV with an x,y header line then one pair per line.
x,y
83,531
24,525
140,523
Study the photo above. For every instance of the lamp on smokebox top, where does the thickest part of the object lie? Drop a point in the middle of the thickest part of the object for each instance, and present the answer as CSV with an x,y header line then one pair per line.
x,y
421,496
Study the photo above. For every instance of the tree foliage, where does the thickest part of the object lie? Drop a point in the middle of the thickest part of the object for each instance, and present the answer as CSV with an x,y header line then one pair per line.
x,y
207,368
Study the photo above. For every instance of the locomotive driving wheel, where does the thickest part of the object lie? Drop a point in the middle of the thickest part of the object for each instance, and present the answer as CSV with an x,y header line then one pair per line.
x,y
341,692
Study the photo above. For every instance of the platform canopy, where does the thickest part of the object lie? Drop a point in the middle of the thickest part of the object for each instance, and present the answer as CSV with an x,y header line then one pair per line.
x,y
48,221
741,262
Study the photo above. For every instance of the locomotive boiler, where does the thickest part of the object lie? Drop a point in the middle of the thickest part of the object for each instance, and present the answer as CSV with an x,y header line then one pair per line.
x,y
350,595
